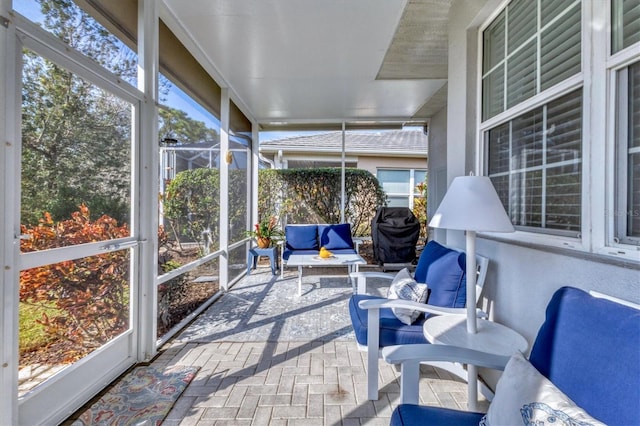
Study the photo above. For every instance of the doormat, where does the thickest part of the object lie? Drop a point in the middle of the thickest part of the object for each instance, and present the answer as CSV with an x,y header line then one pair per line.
x,y
143,396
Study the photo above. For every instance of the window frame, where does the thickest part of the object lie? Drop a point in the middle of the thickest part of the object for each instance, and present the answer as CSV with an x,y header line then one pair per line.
x,y
617,151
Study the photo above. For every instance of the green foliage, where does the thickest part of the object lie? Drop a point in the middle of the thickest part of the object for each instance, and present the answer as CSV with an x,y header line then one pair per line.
x,y
314,196
33,334
238,190
420,207
192,203
267,227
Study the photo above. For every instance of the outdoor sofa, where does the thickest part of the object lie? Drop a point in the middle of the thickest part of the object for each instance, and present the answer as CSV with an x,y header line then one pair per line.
x,y
308,238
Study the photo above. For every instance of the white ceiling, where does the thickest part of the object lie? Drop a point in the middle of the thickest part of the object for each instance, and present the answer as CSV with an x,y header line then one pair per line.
x,y
319,61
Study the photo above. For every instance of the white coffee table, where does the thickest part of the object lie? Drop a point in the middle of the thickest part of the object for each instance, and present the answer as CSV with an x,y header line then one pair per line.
x,y
301,260
491,338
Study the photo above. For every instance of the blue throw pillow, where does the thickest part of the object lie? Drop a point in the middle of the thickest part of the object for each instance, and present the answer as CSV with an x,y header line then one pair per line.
x,y
447,281
335,237
301,237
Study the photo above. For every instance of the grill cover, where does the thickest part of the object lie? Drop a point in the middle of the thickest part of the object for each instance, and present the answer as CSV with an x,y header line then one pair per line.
x,y
395,232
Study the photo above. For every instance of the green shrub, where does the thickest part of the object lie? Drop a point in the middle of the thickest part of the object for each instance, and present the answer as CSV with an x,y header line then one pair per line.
x,y
314,196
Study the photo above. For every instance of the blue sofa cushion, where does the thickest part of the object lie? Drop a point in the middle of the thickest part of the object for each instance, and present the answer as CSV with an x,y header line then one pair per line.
x,y
408,414
392,331
301,237
343,251
335,237
287,253
589,348
447,280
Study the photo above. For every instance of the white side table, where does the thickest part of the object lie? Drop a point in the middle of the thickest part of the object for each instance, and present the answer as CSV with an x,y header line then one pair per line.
x,y
491,338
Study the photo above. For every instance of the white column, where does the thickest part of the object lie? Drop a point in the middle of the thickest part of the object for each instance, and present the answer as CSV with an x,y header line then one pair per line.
x,y
224,191
145,193
9,214
342,175
253,187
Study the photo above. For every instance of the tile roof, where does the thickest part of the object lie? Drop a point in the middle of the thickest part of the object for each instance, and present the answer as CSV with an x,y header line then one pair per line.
x,y
401,141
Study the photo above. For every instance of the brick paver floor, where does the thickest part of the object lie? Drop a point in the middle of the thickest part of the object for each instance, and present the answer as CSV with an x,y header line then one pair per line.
x,y
269,357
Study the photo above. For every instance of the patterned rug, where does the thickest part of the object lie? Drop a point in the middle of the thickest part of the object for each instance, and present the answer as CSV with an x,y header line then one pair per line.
x,y
143,397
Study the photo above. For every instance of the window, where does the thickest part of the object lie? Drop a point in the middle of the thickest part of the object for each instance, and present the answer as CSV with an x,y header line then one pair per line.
x,y
534,158
535,162
625,36
625,24
401,186
627,213
530,47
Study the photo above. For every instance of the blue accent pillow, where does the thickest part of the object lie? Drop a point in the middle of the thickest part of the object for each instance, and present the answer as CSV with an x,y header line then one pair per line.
x,y
447,281
335,237
301,237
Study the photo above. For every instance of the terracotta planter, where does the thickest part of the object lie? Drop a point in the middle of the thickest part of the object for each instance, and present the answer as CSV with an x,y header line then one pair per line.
x,y
264,242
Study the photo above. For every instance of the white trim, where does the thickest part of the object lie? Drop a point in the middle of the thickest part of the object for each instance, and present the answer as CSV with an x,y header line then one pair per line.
x,y
45,44
60,395
146,189
592,126
614,299
318,158
224,191
9,149
606,239
559,90
86,378
35,259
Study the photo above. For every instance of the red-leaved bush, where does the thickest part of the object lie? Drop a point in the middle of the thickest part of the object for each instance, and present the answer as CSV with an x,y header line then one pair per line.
x,y
91,293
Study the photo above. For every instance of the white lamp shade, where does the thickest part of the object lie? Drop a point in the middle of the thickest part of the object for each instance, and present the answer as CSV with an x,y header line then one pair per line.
x,y
472,204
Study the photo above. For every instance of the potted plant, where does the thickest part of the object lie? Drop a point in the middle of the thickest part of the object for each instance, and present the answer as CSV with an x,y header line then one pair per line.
x,y
264,231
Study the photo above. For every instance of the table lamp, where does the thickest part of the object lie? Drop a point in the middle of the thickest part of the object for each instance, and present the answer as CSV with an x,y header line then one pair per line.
x,y
471,204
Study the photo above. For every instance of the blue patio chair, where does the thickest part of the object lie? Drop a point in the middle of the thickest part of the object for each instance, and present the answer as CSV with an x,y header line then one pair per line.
x,y
587,347
375,324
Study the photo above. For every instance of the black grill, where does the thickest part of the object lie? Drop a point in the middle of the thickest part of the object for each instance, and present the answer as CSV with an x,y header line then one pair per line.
x,y
395,232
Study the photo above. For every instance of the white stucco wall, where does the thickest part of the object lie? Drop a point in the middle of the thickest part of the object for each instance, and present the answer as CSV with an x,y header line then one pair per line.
x,y
521,279
372,164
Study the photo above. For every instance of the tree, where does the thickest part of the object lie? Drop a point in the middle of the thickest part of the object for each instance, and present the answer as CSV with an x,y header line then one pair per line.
x,y
176,124
76,136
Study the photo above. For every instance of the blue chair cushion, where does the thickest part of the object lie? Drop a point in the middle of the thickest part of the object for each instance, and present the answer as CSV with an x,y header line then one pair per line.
x,y
392,330
447,281
301,237
335,237
590,349
408,414
431,252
